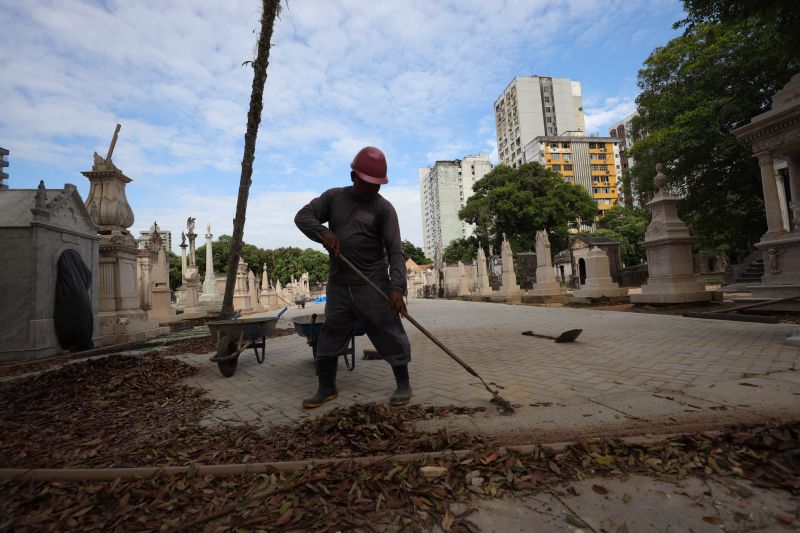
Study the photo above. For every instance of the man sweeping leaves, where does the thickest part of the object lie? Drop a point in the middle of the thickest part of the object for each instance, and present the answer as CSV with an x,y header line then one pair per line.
x,y
362,226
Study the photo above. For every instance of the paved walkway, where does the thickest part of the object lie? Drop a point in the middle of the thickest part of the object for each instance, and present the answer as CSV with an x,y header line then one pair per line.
x,y
626,368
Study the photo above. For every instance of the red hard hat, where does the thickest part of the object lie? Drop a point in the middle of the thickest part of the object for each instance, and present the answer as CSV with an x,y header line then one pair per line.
x,y
369,164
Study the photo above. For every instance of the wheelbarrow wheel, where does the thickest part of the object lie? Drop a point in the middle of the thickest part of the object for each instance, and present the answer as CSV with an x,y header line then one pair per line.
x,y
228,368
225,348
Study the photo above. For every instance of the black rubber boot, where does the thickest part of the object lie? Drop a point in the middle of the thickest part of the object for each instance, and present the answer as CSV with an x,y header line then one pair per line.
x,y
327,383
402,394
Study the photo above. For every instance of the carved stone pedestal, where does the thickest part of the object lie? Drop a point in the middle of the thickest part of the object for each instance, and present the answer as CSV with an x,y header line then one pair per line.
x,y
598,278
546,288
669,254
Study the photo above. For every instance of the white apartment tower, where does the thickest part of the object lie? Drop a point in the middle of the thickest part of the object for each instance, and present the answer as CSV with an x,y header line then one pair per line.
x,y
535,106
444,190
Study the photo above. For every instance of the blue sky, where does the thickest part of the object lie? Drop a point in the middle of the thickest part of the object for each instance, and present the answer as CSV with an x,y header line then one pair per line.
x,y
415,78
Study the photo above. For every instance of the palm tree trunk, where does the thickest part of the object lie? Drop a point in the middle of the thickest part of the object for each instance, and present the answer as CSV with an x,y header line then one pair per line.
x,y
271,8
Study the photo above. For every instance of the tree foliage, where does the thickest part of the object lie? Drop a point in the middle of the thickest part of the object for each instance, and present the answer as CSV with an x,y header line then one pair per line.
x,y
715,77
461,250
174,262
775,15
415,253
626,225
521,201
282,263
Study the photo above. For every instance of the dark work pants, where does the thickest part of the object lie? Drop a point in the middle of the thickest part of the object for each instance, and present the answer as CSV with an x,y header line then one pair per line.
x,y
345,304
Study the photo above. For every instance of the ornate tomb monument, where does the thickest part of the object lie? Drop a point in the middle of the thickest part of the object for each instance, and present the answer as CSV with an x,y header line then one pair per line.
x,y
120,315
546,285
669,253
775,134
598,278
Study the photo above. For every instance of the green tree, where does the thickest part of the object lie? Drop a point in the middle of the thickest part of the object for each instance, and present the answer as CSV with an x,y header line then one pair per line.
x,y
285,263
521,201
461,250
775,15
626,225
282,263
698,87
175,280
415,253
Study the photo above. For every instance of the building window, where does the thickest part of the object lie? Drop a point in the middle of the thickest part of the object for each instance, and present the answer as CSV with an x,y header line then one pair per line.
x,y
556,156
592,146
549,120
568,168
567,157
547,109
557,168
546,98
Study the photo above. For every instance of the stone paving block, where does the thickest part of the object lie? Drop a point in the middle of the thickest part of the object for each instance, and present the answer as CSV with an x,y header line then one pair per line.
x,y
618,352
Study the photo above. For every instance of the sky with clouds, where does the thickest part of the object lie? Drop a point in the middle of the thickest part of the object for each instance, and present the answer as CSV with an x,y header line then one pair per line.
x,y
416,78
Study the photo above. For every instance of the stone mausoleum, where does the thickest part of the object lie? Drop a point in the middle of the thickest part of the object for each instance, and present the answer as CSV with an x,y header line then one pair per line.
x,y
775,138
37,228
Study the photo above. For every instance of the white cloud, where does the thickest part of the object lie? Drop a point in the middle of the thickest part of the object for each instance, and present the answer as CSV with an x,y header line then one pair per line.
x,y
270,215
415,78
600,117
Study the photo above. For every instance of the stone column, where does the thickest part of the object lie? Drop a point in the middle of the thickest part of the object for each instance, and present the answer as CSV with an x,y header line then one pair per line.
x,y
484,289
183,261
771,202
252,290
793,162
780,188
210,282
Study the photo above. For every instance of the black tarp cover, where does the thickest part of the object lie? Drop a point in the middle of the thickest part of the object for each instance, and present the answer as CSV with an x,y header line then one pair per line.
x,y
73,307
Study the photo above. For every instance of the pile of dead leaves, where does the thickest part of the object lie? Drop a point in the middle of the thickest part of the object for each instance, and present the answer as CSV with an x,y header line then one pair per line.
x,y
132,410
392,496
371,429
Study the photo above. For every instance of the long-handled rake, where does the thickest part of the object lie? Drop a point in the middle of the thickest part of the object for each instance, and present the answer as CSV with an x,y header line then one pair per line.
x,y
504,406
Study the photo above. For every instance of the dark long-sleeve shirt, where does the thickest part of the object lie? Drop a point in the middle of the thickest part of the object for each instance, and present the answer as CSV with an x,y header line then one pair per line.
x,y
364,228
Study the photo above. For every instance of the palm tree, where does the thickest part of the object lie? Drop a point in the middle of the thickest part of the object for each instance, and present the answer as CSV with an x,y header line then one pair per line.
x,y
270,11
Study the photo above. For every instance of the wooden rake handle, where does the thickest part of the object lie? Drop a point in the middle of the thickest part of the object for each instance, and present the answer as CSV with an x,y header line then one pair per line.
x,y
419,326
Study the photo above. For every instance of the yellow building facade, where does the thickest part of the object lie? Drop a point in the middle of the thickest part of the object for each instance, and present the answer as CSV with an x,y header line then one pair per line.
x,y
591,162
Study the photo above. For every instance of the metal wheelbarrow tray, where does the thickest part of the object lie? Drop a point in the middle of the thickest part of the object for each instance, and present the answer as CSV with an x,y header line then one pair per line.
x,y
309,326
235,336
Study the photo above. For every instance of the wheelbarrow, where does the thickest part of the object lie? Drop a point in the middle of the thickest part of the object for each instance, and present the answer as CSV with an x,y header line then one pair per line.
x,y
309,326
300,300
236,336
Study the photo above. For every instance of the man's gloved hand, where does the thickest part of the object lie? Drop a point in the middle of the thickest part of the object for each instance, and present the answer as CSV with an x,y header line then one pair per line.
x,y
331,242
397,303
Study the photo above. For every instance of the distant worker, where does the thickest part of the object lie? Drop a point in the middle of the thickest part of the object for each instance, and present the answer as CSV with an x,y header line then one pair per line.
x,y
363,226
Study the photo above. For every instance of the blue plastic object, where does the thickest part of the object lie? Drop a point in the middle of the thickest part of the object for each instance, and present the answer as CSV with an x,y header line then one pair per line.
x,y
320,299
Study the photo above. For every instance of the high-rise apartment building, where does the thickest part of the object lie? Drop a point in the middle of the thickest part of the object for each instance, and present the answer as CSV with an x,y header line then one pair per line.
x,y
624,133
166,238
3,164
534,106
592,162
444,190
